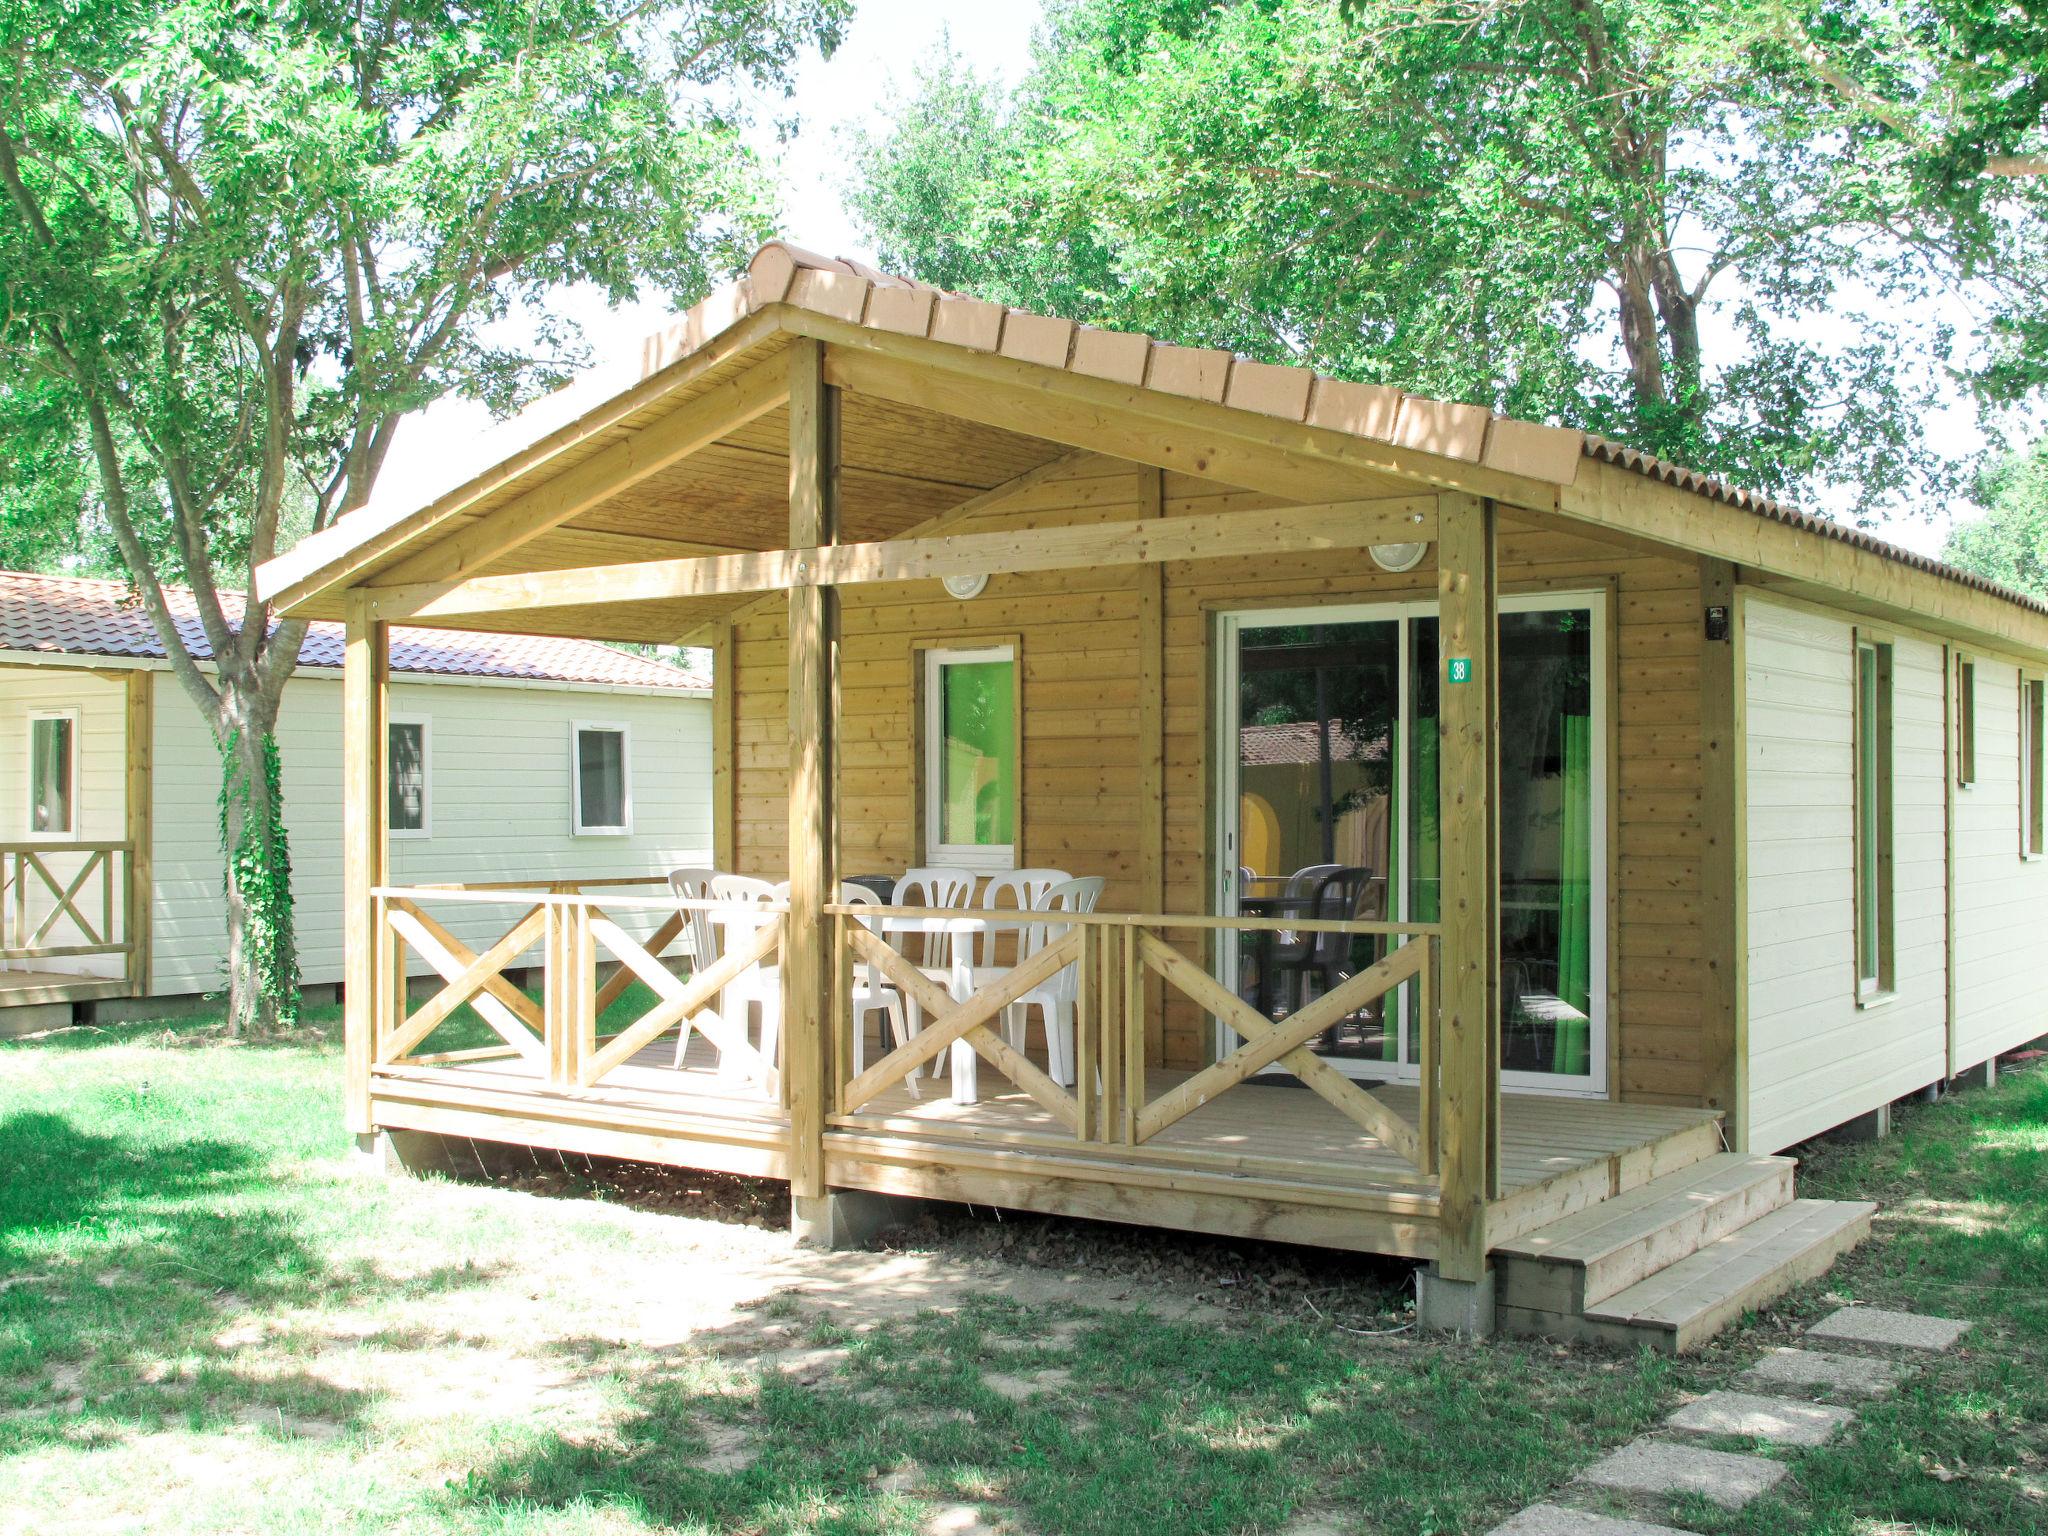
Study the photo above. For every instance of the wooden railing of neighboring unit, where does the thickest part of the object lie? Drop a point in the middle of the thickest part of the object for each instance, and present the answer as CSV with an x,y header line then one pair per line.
x,y
573,935
1117,955
49,883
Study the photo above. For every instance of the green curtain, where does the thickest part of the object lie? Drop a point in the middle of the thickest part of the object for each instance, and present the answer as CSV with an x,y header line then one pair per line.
x,y
1570,1052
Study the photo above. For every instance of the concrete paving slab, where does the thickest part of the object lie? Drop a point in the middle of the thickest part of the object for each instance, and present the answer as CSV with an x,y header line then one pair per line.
x,y
1556,1520
1776,1419
1890,1330
1822,1374
1668,1469
1021,1388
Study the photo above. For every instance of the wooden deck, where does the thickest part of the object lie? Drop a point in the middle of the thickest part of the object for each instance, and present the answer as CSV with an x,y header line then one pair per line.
x,y
1273,1161
25,988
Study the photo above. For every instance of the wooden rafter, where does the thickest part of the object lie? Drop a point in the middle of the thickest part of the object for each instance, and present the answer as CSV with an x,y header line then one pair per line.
x,y
1212,536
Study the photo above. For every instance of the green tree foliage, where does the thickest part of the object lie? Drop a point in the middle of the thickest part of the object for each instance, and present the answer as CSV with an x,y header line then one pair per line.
x,y
239,242
1649,218
2009,543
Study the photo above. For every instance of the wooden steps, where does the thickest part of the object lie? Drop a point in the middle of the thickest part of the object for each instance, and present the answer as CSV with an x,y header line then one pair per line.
x,y
1673,1261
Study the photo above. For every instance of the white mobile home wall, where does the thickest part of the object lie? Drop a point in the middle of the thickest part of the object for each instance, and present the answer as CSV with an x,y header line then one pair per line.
x,y
498,774
1816,1055
101,777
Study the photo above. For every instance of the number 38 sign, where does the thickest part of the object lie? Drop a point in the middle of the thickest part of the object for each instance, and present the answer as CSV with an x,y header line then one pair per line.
x,y
1458,669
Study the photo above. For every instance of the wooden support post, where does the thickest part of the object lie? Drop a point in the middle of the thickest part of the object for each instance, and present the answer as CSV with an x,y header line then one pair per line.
x,y
141,730
807,1006
1723,1048
365,708
1468,727
724,754
1151,584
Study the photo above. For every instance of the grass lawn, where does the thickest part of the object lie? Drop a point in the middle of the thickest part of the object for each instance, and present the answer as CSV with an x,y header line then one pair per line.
x,y
210,1323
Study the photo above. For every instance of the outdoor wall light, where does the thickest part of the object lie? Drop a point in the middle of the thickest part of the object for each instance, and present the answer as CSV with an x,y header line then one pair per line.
x,y
1398,557
964,587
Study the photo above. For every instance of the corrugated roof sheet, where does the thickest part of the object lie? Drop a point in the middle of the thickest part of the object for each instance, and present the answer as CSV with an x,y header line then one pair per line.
x,y
80,616
1611,452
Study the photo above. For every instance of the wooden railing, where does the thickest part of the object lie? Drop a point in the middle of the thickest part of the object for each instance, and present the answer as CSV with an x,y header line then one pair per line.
x,y
572,935
64,900
1117,957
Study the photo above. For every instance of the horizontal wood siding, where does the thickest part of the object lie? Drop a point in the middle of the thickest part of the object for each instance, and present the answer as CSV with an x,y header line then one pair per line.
x,y
2001,899
102,785
1817,1058
499,776
1079,636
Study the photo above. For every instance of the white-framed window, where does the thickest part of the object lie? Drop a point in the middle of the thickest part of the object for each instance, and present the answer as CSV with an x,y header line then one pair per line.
x,y
408,784
1966,722
1873,818
2033,749
970,757
53,773
600,779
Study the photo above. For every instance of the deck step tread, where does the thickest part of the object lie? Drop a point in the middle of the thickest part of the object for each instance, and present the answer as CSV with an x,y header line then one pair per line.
x,y
1600,1231
1743,1269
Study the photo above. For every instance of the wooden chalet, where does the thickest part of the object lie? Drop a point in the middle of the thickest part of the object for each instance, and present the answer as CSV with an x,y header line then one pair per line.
x,y
1577,832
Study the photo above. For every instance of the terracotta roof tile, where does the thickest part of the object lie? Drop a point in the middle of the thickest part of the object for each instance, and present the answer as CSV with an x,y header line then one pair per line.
x,y
77,616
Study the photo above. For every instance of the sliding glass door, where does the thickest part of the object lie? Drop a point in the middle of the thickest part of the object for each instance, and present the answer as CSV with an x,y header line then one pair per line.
x,y
1328,808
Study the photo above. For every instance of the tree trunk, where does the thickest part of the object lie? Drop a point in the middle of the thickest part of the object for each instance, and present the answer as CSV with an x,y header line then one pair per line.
x,y
263,969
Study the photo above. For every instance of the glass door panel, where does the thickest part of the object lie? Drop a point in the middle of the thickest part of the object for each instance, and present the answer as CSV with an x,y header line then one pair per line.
x,y
1331,809
1547,838
1318,709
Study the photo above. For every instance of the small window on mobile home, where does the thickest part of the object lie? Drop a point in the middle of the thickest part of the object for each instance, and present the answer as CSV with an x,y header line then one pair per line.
x,y
53,774
1873,818
600,790
405,770
2033,707
1966,721
970,756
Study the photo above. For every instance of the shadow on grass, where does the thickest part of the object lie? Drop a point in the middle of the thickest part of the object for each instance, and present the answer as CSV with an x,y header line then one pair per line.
x,y
1137,1424
136,1270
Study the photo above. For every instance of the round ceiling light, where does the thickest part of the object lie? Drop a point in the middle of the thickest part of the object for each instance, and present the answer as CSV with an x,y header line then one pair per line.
x,y
964,587
1398,557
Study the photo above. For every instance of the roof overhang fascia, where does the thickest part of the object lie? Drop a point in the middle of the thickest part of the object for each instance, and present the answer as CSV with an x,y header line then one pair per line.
x,y
336,557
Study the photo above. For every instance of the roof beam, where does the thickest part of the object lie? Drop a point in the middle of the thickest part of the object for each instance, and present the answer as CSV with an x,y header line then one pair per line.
x,y
340,551
1208,439
1214,536
653,448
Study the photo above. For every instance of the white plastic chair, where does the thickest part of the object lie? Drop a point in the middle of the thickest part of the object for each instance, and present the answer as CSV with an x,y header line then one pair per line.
x,y
758,985
695,885
936,953
1054,997
872,994
1022,889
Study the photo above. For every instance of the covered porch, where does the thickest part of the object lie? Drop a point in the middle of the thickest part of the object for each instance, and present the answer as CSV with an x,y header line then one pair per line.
x,y
790,482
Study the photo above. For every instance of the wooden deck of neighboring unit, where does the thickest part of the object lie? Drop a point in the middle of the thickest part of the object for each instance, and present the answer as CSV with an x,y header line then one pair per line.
x,y
1272,1161
21,988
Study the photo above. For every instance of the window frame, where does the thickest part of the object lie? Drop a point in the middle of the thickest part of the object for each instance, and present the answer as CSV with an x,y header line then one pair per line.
x,y
979,857
426,728
1966,721
72,833
2033,746
625,734
1874,866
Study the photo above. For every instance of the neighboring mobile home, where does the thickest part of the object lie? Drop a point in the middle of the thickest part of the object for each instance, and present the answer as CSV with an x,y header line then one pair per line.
x,y
109,798
1580,830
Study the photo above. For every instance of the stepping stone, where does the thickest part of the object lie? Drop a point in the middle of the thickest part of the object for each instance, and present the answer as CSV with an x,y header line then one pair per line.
x,y
1555,1520
1660,1467
1761,1418
960,1520
727,1448
1893,1330
1831,1375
